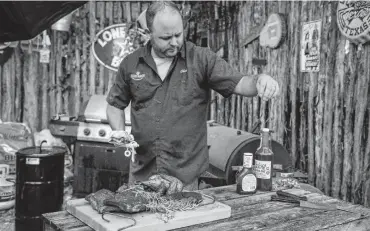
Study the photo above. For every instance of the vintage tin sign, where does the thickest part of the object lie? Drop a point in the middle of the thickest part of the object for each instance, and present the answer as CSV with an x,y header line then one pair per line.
x,y
353,18
310,46
113,44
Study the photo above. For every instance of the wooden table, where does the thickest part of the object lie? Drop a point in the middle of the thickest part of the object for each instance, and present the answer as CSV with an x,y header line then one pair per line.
x,y
256,212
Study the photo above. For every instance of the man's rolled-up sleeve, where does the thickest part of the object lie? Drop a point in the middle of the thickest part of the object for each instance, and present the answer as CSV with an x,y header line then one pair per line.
x,y
119,94
221,76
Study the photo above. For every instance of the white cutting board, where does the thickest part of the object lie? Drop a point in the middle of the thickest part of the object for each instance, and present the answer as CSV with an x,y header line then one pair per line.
x,y
146,221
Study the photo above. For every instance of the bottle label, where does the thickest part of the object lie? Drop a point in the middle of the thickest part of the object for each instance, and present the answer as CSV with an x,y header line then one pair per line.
x,y
249,183
263,169
247,161
32,161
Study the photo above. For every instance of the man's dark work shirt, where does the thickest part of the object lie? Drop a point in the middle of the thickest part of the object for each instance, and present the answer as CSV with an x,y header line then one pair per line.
x,y
169,118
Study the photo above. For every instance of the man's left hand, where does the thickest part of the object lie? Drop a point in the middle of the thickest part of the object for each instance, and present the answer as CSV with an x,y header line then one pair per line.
x,y
267,87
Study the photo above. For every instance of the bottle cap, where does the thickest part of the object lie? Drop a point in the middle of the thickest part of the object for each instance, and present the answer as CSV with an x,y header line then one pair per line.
x,y
248,154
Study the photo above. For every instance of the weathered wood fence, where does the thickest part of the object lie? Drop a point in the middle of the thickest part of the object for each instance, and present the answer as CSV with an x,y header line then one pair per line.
x,y
322,118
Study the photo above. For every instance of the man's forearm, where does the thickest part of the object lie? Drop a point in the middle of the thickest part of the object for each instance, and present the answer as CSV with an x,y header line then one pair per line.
x,y
247,86
116,118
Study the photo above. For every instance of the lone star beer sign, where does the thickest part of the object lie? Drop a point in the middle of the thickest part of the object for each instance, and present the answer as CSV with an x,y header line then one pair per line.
x,y
353,18
113,44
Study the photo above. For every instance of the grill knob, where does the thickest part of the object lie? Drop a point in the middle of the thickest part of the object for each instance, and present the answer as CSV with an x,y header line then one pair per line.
x,y
86,131
101,132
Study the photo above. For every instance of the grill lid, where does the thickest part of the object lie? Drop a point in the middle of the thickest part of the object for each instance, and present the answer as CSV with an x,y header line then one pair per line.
x,y
94,111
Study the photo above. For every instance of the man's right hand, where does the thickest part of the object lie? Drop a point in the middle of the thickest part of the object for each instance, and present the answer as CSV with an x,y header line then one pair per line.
x,y
120,135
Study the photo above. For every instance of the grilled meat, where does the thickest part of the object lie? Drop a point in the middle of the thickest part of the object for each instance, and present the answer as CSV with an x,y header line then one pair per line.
x,y
97,201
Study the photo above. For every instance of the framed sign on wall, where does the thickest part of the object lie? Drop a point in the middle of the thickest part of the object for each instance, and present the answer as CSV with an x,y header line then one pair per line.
x,y
113,44
310,46
353,19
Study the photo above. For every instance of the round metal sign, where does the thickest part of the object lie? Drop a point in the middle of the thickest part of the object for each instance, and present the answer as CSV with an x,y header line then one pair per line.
x,y
353,18
113,44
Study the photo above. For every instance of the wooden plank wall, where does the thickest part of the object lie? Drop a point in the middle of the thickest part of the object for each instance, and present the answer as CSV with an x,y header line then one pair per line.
x,y
33,92
321,118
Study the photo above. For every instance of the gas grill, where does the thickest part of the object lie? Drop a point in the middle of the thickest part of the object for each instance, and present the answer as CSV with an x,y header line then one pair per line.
x,y
97,163
90,125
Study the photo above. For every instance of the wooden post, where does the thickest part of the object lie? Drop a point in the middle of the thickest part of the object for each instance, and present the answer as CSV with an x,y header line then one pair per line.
x,y
85,63
319,112
19,84
351,74
117,12
327,162
101,15
294,34
45,117
77,67
59,73
92,66
127,11
301,101
111,74
53,78
282,76
1,92
366,172
361,94
8,91
66,73
312,93
366,168
30,116
338,118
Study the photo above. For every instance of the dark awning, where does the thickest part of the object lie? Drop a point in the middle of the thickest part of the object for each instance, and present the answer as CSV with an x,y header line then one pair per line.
x,y
25,20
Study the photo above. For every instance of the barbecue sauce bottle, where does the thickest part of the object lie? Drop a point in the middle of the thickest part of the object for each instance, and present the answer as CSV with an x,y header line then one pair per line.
x,y
264,162
246,182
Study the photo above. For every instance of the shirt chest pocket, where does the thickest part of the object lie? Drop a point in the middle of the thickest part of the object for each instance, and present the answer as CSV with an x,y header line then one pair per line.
x,y
187,90
141,91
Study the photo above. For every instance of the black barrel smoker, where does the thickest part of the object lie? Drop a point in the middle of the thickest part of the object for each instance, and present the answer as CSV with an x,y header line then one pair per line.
x,y
39,185
226,148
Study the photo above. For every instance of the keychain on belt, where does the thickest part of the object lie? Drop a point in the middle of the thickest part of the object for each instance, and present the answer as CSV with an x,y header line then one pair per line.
x,y
124,139
130,150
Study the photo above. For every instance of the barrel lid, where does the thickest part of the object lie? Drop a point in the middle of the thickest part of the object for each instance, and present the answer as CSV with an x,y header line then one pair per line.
x,y
35,151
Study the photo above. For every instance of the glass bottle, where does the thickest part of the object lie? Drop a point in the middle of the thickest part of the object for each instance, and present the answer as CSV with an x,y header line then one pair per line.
x,y
264,161
246,182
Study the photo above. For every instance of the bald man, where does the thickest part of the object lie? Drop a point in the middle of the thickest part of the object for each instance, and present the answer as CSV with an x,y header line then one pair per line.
x,y
168,83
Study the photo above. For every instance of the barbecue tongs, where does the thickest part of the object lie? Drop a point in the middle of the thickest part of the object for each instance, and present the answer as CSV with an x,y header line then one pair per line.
x,y
302,202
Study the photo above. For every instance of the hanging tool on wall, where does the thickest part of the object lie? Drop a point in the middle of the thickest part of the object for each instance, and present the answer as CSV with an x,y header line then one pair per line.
x,y
271,34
